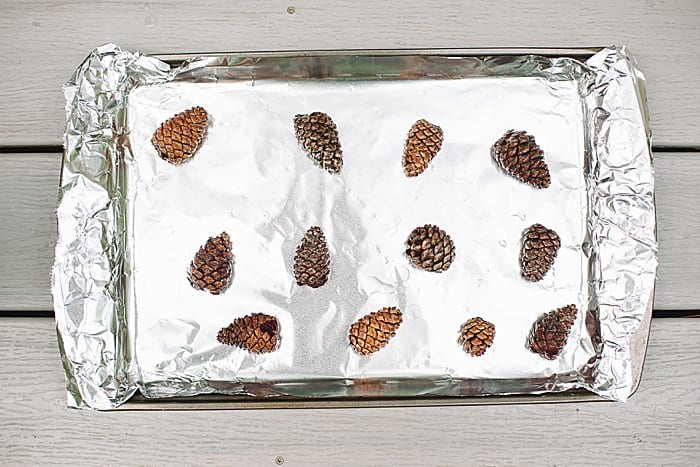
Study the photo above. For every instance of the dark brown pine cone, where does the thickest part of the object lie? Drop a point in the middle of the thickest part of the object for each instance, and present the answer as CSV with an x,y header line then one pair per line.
x,y
373,331
476,335
539,249
318,136
212,266
422,145
519,155
549,333
257,333
312,260
178,138
430,248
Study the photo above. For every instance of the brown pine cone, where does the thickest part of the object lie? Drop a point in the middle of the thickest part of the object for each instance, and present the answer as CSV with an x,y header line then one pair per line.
x,y
373,331
212,266
476,335
430,248
178,138
549,333
519,155
422,145
318,136
312,260
539,249
257,333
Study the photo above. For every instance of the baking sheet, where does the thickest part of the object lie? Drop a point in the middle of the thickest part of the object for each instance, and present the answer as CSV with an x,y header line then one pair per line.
x,y
251,179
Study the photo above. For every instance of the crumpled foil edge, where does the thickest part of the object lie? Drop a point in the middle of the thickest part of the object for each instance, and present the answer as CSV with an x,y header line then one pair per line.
x,y
622,212
88,282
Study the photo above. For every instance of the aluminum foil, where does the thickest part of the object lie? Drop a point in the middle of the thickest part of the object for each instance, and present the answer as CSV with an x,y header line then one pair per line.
x,y
129,223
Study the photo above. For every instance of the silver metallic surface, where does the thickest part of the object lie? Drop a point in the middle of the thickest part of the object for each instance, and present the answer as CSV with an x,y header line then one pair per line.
x,y
129,223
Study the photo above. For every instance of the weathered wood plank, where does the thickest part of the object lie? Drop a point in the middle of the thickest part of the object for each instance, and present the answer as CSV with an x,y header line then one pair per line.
x,y
43,42
28,184
28,193
660,423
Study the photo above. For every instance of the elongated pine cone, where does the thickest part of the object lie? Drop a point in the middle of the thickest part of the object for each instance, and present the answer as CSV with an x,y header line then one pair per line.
x,y
430,248
178,138
318,136
373,331
312,260
519,155
476,335
539,249
422,145
212,266
549,333
257,333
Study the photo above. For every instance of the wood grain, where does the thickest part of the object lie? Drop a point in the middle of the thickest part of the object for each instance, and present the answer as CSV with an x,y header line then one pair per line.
x,y
659,425
42,42
28,185
28,193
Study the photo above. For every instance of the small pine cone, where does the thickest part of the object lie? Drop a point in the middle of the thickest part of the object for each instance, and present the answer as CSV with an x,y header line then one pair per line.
x,y
178,138
519,155
257,333
430,248
318,136
476,335
312,260
539,249
422,145
212,266
549,333
373,331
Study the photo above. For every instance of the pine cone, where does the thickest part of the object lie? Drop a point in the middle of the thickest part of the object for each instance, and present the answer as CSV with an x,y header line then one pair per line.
x,y
318,136
549,333
518,154
539,249
257,333
212,266
177,139
312,260
423,143
476,335
373,331
430,248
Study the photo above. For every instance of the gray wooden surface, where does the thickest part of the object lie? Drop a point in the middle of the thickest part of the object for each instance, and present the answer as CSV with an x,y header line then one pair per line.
x,y
660,424
28,184
41,43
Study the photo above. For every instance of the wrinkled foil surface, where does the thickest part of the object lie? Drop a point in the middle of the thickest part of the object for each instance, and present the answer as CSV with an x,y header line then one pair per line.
x,y
130,223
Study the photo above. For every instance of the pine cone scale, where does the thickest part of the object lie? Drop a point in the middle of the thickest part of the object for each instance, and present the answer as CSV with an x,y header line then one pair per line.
x,y
517,153
550,332
179,137
317,134
373,331
422,145
476,336
312,259
257,333
212,267
430,248
540,246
